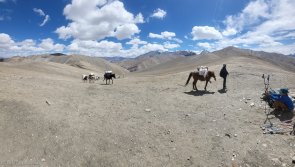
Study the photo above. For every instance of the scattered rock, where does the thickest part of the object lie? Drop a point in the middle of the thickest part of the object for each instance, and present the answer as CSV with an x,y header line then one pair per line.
x,y
148,110
248,98
293,159
264,145
235,135
252,104
189,158
228,135
43,159
276,161
47,102
187,115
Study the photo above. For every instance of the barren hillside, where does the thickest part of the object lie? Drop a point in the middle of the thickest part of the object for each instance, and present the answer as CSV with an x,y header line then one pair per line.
x,y
151,59
207,58
95,64
49,117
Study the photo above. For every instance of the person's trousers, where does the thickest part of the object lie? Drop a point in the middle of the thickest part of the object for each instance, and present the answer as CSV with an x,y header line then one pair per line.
x,y
224,83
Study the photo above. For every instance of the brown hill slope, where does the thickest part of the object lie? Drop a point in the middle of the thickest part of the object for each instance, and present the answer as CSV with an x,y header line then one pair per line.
x,y
95,64
151,59
219,57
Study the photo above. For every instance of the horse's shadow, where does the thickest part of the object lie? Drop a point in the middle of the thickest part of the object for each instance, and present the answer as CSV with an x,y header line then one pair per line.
x,y
199,92
105,84
282,116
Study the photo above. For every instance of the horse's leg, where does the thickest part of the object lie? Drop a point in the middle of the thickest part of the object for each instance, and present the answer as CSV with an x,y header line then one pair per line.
x,y
112,80
206,85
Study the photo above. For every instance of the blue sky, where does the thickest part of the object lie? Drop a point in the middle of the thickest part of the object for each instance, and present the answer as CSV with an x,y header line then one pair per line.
x,y
130,28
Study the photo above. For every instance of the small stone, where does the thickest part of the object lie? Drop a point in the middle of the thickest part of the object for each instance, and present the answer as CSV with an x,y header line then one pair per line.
x,y
43,160
293,159
240,109
276,161
248,98
264,145
148,110
252,104
189,158
228,135
235,135
47,102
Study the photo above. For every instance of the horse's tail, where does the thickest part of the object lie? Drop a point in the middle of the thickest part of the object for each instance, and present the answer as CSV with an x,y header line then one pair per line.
x,y
189,77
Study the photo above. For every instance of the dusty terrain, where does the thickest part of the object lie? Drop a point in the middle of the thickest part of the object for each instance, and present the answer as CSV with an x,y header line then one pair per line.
x,y
49,117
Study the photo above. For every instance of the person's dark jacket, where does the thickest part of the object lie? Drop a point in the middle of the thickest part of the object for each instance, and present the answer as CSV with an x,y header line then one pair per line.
x,y
223,72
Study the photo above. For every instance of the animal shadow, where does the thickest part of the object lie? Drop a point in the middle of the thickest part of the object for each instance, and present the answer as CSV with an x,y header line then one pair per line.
x,y
222,91
199,92
282,115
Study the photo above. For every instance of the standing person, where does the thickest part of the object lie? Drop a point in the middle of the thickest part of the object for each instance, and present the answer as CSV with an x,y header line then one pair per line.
x,y
223,73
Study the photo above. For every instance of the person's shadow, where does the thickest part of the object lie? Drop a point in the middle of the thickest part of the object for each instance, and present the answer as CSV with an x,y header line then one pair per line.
x,y
222,91
282,115
199,92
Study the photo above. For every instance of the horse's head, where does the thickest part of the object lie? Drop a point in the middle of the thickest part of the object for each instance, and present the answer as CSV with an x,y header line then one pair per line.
x,y
114,75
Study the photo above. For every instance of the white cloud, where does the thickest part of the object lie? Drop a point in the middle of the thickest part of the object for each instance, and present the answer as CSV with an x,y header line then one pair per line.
x,y
5,41
139,18
205,32
46,19
163,35
136,41
98,19
229,32
159,13
41,13
263,24
48,45
253,13
95,48
126,31
9,47
205,45
169,45
107,48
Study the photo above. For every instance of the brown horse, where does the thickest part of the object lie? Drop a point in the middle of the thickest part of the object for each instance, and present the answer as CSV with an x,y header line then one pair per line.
x,y
197,77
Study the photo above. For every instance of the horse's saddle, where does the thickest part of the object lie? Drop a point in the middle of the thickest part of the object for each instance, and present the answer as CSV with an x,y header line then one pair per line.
x,y
203,71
